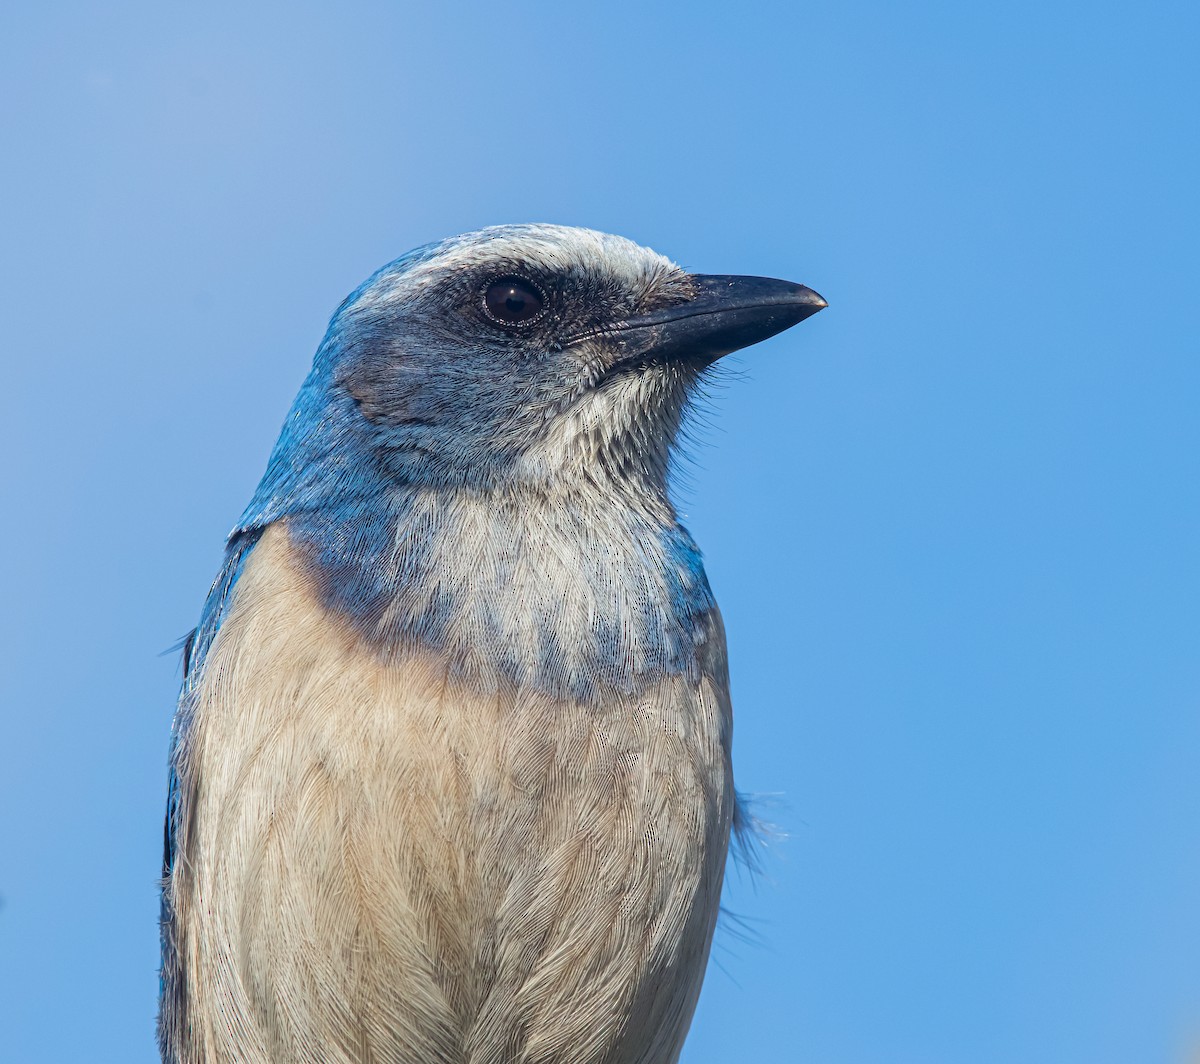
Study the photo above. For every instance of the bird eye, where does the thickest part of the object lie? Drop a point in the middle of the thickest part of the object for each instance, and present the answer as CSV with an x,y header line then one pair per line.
x,y
512,301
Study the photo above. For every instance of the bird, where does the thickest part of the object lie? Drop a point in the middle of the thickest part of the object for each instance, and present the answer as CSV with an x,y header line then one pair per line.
x,y
450,770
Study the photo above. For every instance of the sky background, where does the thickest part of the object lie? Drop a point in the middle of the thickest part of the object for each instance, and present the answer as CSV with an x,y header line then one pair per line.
x,y
952,521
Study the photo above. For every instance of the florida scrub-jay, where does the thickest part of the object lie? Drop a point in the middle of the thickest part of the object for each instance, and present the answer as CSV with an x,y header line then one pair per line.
x,y
450,773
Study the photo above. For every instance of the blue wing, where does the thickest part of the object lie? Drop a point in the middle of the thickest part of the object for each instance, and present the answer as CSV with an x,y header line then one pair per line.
x,y
195,647
172,1003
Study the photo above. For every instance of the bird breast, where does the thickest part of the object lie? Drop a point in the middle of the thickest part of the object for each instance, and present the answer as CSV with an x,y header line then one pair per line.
x,y
381,861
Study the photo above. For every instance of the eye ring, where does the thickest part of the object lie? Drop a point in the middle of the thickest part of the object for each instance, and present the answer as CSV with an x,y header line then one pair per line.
x,y
513,301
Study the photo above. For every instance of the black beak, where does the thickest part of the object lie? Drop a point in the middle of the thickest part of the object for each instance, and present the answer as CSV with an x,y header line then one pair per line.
x,y
726,314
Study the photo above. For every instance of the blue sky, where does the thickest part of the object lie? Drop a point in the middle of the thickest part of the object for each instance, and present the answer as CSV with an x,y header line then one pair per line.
x,y
952,520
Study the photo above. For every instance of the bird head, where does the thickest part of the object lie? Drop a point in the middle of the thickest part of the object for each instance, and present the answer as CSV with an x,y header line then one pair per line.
x,y
516,356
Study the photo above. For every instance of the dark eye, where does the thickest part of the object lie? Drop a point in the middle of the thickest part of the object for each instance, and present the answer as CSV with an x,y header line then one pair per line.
x,y
512,301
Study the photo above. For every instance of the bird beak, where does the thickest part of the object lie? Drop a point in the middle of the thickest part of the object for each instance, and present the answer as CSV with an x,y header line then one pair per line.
x,y
725,314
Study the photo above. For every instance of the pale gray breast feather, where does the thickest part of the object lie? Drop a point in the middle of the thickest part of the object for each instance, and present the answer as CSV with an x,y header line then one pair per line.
x,y
482,876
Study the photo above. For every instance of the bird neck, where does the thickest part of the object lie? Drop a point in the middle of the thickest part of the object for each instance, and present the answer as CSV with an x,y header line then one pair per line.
x,y
573,594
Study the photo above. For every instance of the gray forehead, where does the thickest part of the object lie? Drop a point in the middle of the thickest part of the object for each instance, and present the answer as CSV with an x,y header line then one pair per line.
x,y
554,249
